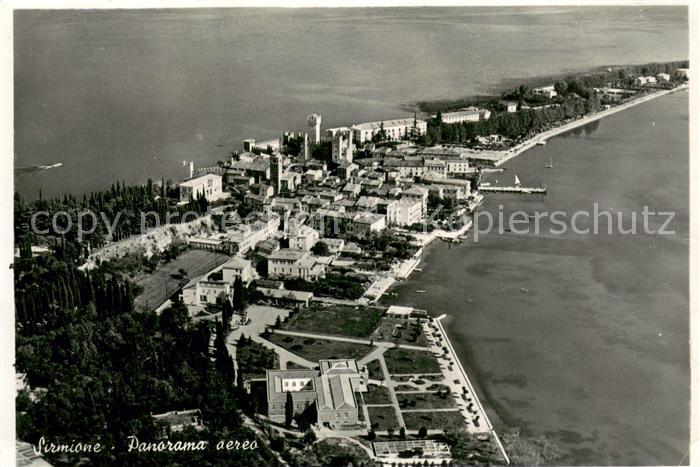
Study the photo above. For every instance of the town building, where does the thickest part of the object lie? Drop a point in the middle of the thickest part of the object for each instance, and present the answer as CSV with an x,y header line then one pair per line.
x,y
208,185
394,130
335,245
510,106
546,91
285,297
302,237
245,237
404,212
336,404
407,167
417,193
470,114
364,224
329,391
300,384
201,291
294,264
257,167
435,167
663,77
178,420
644,80
237,267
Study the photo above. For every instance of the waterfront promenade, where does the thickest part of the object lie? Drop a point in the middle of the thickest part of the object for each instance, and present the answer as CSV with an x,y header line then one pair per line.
x,y
455,372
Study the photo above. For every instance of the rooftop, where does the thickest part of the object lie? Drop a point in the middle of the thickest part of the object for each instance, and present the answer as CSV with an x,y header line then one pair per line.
x,y
400,122
287,254
197,180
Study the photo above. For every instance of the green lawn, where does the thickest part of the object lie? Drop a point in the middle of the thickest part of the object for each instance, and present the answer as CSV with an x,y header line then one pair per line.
x,y
376,395
401,361
426,400
433,420
341,320
383,418
318,349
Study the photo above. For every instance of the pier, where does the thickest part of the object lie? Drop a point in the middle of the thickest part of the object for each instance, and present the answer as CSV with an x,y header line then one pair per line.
x,y
525,190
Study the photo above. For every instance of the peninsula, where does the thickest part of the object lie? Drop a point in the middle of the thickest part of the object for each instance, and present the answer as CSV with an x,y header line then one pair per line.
x,y
240,304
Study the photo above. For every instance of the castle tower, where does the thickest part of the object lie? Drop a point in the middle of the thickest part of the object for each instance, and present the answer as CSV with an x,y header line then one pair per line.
x,y
305,149
342,148
276,172
314,120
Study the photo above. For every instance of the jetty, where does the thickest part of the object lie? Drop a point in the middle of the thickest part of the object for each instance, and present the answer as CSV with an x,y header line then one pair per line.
x,y
524,190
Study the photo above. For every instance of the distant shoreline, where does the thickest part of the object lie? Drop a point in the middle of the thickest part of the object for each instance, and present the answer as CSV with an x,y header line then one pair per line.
x,y
524,146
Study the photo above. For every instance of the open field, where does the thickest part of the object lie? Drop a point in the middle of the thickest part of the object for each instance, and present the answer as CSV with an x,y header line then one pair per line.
x,y
162,283
411,361
383,418
341,320
318,349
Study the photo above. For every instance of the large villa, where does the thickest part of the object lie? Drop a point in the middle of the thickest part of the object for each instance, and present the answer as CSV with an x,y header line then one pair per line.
x,y
329,391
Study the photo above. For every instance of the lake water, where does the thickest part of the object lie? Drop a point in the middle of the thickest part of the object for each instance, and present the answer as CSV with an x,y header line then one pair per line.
x,y
130,95
581,338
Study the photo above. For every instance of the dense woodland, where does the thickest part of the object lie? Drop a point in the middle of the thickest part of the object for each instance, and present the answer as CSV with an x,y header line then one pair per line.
x,y
105,368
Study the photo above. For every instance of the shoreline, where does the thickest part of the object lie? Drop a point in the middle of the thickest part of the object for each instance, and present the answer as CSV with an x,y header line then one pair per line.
x,y
523,147
530,143
463,375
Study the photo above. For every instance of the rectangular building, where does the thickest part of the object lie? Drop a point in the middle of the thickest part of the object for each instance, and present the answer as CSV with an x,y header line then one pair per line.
x,y
393,129
404,212
300,384
295,264
208,185
546,91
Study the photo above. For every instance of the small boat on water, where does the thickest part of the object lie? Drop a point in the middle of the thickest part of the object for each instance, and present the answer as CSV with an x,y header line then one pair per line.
x,y
524,290
541,142
420,291
517,180
551,164
418,269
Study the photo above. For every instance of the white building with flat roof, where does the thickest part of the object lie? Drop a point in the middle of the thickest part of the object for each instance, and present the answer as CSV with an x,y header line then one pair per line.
x,y
546,91
209,185
394,129
294,263
470,114
644,80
